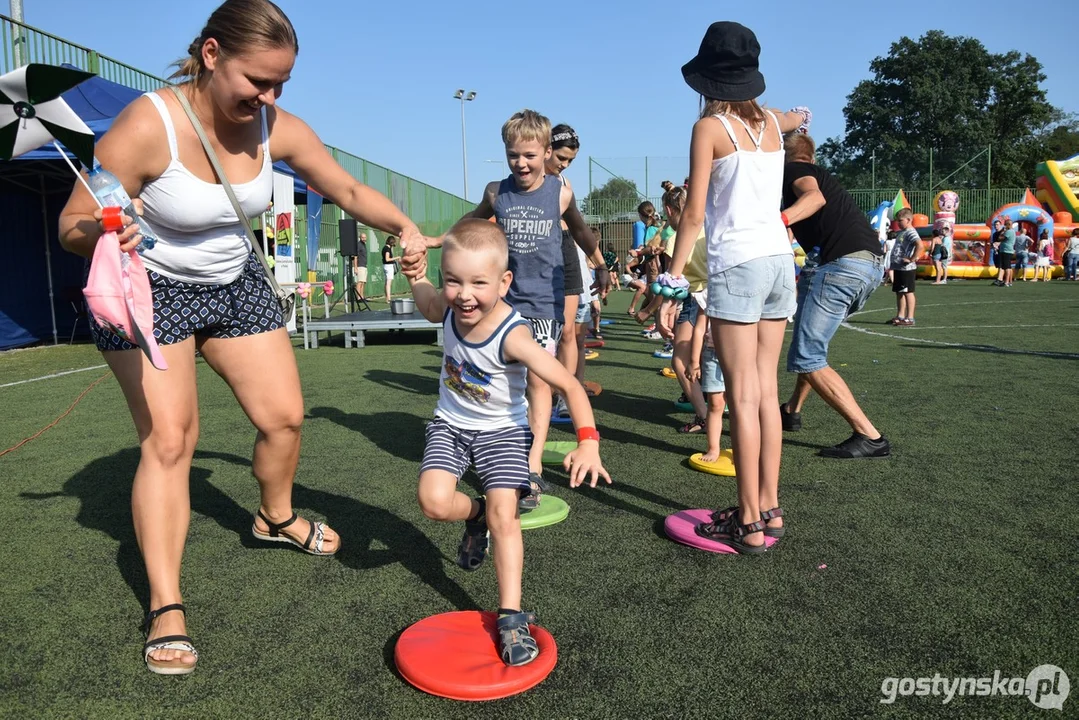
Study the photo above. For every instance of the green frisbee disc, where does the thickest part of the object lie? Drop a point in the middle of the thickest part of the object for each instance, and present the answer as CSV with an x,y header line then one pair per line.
x,y
551,510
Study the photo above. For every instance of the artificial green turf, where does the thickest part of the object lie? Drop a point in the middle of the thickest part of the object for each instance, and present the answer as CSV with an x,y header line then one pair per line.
x,y
956,556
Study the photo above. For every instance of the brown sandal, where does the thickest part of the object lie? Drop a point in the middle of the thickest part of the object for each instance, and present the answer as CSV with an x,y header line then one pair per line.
x,y
694,426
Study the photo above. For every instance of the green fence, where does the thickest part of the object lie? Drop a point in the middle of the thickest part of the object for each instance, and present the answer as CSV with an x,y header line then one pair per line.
x,y
433,210
21,44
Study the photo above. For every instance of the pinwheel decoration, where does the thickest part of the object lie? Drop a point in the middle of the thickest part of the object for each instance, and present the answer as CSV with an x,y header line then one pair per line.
x,y
32,113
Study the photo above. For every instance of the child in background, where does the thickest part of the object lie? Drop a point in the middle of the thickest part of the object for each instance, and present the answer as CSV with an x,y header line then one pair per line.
x,y
481,420
908,249
1044,262
704,368
529,205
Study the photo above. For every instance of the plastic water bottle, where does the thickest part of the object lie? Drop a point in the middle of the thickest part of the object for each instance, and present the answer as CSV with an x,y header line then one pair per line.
x,y
110,192
812,259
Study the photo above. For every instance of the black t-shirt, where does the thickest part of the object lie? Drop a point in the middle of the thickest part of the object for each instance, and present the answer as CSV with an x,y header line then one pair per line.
x,y
387,255
839,228
361,253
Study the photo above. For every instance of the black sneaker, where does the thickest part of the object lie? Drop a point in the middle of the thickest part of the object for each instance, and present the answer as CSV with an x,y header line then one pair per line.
x,y
859,446
792,421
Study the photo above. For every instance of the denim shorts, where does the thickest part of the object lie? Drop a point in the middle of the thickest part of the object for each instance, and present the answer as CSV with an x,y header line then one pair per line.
x,y
761,289
584,310
688,313
826,296
711,373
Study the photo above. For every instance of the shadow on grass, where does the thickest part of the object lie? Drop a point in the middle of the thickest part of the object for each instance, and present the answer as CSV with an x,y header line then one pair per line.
x,y
1051,354
398,433
605,494
407,382
103,489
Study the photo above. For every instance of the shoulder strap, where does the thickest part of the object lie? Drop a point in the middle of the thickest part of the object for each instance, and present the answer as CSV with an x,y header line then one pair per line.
x,y
240,214
170,131
730,130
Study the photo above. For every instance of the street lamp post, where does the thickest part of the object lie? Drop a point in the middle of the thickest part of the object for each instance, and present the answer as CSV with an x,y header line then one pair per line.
x,y
463,97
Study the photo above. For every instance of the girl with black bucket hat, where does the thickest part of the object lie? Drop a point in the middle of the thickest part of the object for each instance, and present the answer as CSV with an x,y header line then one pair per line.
x,y
735,191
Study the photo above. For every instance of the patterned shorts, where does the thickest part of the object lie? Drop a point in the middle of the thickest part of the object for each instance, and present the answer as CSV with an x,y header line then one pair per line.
x,y
547,333
499,456
245,306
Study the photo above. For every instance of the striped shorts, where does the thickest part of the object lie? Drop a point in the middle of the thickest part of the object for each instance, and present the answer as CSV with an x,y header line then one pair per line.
x,y
547,333
500,457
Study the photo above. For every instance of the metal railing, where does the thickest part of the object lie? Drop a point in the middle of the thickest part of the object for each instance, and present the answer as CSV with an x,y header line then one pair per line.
x,y
21,44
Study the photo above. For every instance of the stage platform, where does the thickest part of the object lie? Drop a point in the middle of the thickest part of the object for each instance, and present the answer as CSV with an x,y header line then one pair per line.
x,y
355,325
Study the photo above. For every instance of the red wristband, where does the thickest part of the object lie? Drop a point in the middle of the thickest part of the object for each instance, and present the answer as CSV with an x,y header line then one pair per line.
x,y
587,433
786,222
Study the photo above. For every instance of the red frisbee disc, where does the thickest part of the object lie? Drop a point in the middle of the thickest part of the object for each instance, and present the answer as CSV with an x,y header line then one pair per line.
x,y
593,343
455,655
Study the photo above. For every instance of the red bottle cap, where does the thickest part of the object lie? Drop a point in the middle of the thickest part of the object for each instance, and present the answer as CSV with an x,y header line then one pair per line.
x,y
112,219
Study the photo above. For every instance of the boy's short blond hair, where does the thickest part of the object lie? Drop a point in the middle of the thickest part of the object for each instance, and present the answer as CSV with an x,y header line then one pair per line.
x,y
905,213
527,125
477,235
799,147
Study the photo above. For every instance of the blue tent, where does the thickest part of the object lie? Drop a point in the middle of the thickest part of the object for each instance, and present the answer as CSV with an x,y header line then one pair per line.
x,y
41,283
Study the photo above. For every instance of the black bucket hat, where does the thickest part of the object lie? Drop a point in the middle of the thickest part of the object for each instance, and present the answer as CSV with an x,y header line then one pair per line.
x,y
725,67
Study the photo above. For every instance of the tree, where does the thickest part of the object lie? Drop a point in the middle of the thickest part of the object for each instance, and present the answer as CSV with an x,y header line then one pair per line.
x,y
617,195
949,96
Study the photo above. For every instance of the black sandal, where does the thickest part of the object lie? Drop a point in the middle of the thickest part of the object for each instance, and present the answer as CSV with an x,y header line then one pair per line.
x,y
766,515
312,545
515,642
733,534
167,642
538,486
473,548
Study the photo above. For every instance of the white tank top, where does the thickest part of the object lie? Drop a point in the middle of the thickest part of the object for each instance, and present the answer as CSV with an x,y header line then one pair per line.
x,y
478,389
745,192
201,240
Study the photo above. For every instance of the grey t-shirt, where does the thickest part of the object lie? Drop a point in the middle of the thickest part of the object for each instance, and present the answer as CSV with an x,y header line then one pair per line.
x,y
906,245
532,222
1022,242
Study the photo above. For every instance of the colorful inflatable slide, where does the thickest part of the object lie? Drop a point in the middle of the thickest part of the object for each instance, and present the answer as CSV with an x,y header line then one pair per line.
x,y
1058,185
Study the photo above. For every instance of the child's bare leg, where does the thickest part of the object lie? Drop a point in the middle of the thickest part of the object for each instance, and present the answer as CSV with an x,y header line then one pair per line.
x,y
579,370
504,522
910,306
440,500
683,348
736,344
539,419
714,426
769,345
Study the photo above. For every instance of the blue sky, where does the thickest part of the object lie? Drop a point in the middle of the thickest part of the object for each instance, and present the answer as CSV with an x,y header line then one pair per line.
x,y
377,78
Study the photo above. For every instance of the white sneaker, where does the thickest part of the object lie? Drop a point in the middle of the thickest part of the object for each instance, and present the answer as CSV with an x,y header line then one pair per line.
x,y
560,408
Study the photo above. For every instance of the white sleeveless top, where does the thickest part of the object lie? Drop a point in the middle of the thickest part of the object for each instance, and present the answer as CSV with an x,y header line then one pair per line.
x,y
745,192
478,389
201,240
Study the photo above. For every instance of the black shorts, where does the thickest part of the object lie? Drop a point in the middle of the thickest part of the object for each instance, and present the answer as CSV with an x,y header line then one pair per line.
x,y
1005,260
903,281
245,306
574,281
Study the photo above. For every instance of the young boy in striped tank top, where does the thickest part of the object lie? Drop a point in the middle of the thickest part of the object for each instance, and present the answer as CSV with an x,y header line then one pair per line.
x,y
482,416
530,206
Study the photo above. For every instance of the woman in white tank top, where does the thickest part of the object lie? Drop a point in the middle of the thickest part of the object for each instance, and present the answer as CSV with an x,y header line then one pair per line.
x,y
232,77
735,190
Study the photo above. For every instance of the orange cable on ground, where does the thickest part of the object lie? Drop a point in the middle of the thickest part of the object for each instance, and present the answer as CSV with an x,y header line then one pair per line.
x,y
67,412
